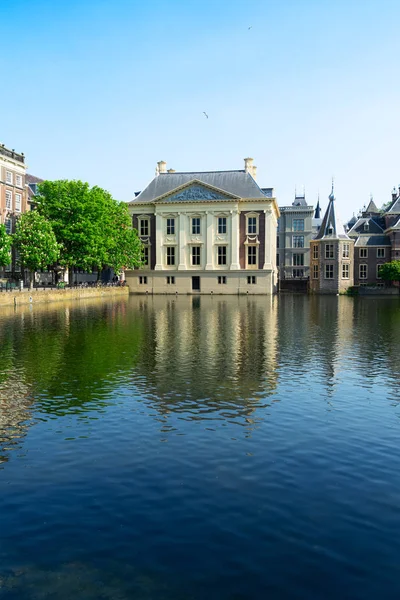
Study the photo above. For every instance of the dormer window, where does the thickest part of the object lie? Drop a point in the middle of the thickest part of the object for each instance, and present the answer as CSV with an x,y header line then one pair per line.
x,y
330,231
366,226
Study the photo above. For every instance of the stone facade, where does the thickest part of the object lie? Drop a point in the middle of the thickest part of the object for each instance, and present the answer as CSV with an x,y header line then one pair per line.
x,y
293,239
205,232
332,256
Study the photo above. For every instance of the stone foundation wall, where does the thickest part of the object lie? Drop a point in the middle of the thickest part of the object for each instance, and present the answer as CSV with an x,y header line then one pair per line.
x,y
45,296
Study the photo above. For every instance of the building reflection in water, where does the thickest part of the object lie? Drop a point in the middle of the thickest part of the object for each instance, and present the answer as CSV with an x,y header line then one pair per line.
x,y
211,355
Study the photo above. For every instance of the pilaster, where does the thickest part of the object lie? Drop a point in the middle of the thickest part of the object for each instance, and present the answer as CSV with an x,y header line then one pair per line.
x,y
159,239
183,225
235,265
269,245
209,241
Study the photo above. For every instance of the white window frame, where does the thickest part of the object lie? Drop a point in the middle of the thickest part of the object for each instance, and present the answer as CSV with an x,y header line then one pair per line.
x,y
298,224
9,199
380,252
222,264
254,225
248,264
301,263
146,250
315,251
296,243
9,177
196,225
222,223
329,251
251,280
171,257
170,226
315,271
192,256
346,251
345,270
170,279
142,279
363,271
142,220
18,181
331,270
363,253
18,202
222,279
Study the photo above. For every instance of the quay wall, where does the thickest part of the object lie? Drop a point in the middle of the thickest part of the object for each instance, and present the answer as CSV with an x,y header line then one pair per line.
x,y
46,296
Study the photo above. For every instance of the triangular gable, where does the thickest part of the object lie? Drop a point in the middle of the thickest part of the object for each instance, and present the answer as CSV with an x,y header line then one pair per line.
x,y
196,191
395,208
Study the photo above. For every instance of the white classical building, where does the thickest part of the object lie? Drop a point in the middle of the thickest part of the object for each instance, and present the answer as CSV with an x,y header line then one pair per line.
x,y
205,232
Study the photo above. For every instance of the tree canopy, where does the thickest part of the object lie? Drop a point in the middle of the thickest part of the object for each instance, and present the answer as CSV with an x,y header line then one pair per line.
x,y
5,246
35,241
91,227
390,271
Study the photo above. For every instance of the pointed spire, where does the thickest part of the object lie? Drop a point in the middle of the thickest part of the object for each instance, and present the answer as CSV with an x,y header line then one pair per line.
x,y
317,214
332,194
331,226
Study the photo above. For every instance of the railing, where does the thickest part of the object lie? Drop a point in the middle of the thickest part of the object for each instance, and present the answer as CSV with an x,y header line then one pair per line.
x,y
12,154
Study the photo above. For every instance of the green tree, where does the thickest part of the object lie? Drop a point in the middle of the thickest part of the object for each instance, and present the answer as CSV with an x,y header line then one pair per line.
x,y
124,248
5,246
36,243
87,223
390,271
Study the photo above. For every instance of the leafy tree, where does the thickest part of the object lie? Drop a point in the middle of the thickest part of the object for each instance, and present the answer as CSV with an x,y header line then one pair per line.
x,y
124,248
88,225
36,243
390,271
5,246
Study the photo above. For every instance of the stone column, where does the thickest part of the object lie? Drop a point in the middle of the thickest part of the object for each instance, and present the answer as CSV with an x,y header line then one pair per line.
x,y
210,240
159,238
235,265
269,242
183,219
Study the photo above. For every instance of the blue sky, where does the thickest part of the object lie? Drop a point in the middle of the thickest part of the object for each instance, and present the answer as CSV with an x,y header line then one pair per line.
x,y
100,91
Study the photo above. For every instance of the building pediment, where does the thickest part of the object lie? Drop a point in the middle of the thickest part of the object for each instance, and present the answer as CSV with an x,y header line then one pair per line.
x,y
196,191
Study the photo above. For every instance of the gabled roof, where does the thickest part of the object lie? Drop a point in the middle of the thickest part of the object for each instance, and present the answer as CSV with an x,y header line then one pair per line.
x,y
395,208
32,179
233,183
331,226
359,227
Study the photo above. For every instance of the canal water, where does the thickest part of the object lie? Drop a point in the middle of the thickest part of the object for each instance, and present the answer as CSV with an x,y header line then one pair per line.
x,y
201,448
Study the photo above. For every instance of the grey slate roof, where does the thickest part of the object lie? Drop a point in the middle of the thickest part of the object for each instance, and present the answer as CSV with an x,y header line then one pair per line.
x,y
236,183
331,226
395,208
374,226
373,240
372,208
299,200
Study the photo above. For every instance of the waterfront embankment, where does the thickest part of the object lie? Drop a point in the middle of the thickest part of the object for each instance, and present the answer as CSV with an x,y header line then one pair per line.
x,y
46,296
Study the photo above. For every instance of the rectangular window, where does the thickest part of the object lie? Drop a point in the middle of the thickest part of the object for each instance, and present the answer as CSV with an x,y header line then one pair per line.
x,y
252,225
251,280
380,253
363,271
329,251
8,226
315,271
298,260
196,225
18,181
345,271
171,279
170,226
170,255
277,260
222,279
315,251
18,199
196,255
298,273
378,271
8,199
298,241
345,252
221,224
363,252
9,177
145,255
222,255
298,224
251,255
328,271
143,280
144,227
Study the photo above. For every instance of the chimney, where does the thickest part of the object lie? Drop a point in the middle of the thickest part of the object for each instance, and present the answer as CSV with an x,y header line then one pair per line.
x,y
171,171
248,165
254,172
161,167
394,194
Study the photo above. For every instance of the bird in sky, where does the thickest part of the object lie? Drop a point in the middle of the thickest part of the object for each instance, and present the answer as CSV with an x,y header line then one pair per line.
x,y
204,113
251,27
